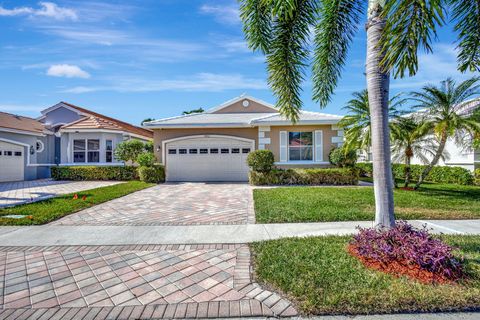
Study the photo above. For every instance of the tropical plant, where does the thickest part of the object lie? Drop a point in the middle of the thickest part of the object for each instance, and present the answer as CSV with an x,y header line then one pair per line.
x,y
343,157
410,139
198,110
129,150
443,110
146,159
396,29
357,124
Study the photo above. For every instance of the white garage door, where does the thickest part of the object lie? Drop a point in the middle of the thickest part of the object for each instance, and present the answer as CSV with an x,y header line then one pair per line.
x,y
210,158
11,162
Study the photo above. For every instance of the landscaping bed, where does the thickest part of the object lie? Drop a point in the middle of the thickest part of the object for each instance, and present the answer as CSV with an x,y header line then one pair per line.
x,y
313,204
321,277
44,211
328,176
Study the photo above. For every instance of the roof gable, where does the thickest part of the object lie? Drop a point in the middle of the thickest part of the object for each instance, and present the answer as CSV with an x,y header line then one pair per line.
x,y
244,104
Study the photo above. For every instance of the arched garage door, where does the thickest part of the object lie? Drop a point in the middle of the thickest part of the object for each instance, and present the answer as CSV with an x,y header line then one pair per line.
x,y
11,162
207,158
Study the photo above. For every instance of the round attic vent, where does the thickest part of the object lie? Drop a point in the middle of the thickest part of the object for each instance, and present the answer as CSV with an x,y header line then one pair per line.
x,y
245,103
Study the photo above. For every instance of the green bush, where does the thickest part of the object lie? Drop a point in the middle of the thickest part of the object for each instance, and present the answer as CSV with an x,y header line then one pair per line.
x,y
477,177
438,174
342,157
146,159
152,174
332,176
129,150
261,160
82,173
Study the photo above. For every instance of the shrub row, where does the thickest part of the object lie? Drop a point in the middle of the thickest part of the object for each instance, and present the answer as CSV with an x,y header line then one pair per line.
x,y
477,177
152,174
334,176
81,173
438,174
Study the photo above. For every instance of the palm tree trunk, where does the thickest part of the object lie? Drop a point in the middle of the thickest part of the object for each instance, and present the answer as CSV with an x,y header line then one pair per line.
x,y
378,82
438,154
407,171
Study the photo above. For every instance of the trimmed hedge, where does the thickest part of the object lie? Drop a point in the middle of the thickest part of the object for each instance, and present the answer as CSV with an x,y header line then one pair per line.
x,y
260,160
81,173
311,177
438,174
152,174
477,177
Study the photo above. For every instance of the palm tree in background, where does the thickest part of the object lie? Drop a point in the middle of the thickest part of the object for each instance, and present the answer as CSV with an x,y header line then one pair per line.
x,y
396,29
357,123
410,139
446,115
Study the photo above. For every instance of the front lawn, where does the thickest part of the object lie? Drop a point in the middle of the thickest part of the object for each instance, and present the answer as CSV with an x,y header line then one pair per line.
x,y
309,204
322,278
51,209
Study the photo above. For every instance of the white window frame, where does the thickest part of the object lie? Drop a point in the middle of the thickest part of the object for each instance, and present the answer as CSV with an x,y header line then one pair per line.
x,y
86,151
42,146
312,146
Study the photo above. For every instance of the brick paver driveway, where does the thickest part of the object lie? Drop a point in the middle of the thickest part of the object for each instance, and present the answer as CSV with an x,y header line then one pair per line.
x,y
14,193
173,204
143,282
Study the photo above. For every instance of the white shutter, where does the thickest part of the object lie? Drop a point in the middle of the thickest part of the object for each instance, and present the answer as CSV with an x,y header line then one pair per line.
x,y
318,140
283,146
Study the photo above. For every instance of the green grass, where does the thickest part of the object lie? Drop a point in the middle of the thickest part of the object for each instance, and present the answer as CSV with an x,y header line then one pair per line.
x,y
55,208
322,278
309,204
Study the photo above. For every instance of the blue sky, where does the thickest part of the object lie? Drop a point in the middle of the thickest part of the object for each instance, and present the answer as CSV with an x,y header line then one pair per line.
x,y
138,59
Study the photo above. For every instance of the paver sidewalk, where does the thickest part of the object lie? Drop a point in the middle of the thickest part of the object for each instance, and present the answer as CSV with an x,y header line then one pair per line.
x,y
133,282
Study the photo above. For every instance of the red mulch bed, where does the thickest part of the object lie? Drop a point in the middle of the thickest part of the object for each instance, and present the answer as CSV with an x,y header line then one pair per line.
x,y
407,188
398,269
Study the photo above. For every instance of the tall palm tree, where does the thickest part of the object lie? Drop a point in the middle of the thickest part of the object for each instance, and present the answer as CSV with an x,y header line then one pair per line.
x,y
443,110
410,139
396,29
357,123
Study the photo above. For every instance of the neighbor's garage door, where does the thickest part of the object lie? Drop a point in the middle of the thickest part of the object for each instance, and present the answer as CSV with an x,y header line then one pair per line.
x,y
207,159
11,162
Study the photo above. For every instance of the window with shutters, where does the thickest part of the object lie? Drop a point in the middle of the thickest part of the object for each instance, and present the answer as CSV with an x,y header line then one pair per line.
x,y
300,146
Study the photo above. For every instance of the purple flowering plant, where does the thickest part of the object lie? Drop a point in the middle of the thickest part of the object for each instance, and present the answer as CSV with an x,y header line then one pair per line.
x,y
409,246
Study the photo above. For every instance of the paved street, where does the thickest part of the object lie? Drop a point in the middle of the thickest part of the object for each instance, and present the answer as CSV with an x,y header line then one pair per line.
x,y
173,204
14,193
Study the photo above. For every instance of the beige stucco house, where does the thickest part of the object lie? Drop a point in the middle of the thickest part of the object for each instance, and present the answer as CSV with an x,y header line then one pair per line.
x,y
213,146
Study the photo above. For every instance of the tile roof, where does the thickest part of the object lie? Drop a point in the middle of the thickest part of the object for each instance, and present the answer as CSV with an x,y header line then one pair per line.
x,y
240,119
21,123
99,121
202,119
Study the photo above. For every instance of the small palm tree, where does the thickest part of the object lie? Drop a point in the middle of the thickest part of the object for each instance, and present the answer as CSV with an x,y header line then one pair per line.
x,y
410,139
358,123
443,110
396,30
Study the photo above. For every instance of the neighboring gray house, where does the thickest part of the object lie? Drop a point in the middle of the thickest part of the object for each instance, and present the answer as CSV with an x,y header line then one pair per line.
x,y
65,134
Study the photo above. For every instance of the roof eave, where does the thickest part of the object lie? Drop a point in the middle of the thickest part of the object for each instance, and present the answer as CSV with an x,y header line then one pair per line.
x,y
198,125
304,122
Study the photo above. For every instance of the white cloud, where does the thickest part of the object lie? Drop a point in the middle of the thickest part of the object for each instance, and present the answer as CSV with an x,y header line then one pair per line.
x,y
67,71
204,82
47,9
226,14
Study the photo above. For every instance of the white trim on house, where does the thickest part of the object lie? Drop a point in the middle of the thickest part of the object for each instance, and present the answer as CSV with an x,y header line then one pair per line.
x,y
300,162
124,133
318,146
60,105
199,136
29,133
